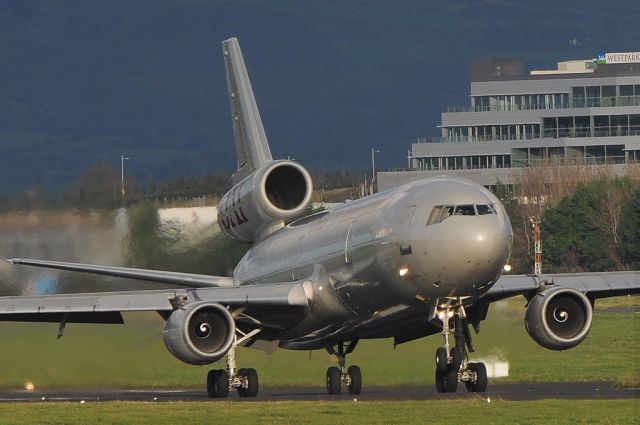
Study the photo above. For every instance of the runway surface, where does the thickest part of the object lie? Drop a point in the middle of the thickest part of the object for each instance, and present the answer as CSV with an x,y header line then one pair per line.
x,y
515,392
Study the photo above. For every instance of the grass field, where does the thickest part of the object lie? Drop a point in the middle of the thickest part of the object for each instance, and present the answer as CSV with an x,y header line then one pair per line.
x,y
407,412
133,355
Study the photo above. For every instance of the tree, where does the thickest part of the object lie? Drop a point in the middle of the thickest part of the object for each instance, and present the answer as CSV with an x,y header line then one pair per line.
x,y
572,240
630,231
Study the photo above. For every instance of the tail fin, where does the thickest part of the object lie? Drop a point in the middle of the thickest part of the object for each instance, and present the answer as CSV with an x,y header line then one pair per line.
x,y
252,147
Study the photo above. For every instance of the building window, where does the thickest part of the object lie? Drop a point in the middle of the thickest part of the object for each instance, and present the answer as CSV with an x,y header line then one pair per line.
x,y
578,97
608,95
626,90
593,96
582,126
601,125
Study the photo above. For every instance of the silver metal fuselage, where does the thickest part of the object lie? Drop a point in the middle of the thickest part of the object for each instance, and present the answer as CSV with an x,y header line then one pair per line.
x,y
381,264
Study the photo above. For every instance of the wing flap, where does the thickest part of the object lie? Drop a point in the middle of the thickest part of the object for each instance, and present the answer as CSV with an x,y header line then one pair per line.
x,y
89,303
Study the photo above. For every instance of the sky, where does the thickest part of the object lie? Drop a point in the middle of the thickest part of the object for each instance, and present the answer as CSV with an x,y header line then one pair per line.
x,y
86,81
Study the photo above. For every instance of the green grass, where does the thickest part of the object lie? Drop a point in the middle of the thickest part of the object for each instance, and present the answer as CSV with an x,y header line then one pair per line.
x,y
342,412
134,356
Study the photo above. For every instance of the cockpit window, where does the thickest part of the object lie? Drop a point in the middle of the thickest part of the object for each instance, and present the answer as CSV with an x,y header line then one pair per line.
x,y
447,211
465,210
440,213
485,209
434,217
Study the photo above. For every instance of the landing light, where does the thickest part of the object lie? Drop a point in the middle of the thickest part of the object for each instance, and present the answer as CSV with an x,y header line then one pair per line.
x,y
29,386
403,271
507,268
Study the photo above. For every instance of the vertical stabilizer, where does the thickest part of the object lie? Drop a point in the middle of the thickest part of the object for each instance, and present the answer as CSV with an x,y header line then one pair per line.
x,y
252,147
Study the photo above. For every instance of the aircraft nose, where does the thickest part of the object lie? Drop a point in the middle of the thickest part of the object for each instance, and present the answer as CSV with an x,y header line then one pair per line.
x,y
473,249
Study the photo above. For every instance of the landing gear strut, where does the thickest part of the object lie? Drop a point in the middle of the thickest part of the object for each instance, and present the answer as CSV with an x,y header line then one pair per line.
x,y
245,381
452,364
339,376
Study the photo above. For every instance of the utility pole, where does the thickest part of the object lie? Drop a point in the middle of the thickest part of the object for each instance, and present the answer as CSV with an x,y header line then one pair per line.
x,y
373,165
122,189
537,244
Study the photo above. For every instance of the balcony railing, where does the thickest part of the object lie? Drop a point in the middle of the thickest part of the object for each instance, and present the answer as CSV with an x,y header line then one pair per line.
x,y
596,102
588,160
548,133
602,131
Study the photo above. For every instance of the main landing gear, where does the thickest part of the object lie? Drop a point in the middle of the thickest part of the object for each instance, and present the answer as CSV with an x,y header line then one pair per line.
x,y
452,364
245,381
339,376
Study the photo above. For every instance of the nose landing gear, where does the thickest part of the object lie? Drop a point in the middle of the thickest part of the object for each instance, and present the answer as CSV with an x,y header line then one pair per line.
x,y
339,376
452,364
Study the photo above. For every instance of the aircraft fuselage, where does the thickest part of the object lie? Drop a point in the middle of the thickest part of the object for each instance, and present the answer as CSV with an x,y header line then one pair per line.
x,y
383,258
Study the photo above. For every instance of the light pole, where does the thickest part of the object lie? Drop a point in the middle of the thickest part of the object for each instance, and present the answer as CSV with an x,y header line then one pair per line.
x,y
122,159
373,165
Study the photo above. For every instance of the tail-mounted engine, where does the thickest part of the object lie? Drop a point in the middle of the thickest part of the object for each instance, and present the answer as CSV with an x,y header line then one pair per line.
x,y
199,333
278,192
559,318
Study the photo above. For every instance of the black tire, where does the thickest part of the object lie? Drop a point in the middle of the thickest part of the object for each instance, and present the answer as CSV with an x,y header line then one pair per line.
x,y
440,384
334,381
451,381
480,386
456,355
252,383
356,380
211,378
217,383
441,360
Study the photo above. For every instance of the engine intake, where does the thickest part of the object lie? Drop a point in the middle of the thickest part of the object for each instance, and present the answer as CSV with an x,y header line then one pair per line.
x,y
199,333
559,318
278,192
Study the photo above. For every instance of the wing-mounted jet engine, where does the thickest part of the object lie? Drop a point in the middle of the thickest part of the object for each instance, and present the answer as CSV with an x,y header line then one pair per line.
x,y
263,201
199,333
558,318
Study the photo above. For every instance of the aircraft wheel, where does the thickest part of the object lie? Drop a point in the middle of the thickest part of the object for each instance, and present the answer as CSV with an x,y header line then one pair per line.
x,y
334,381
440,382
451,381
217,383
356,380
441,359
480,385
456,355
251,389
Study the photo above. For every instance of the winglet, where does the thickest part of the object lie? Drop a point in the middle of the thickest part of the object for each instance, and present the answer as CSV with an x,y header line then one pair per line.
x,y
252,147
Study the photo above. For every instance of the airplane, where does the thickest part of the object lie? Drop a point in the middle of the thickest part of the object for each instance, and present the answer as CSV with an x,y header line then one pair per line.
x,y
417,260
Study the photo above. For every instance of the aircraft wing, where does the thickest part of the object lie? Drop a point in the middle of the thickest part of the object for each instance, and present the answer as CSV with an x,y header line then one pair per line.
x,y
176,278
594,285
106,307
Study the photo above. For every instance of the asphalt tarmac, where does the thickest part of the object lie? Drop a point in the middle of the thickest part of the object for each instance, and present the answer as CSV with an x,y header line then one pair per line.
x,y
514,392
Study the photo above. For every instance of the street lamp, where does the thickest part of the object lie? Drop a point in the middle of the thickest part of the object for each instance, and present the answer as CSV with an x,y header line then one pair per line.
x,y
122,159
373,164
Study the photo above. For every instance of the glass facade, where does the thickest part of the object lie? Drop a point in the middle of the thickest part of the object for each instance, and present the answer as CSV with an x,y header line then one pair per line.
x,y
576,97
588,123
